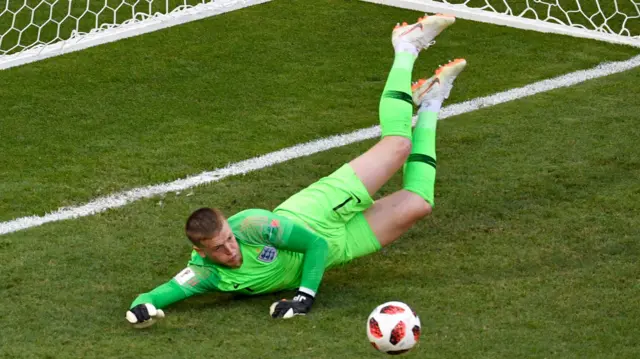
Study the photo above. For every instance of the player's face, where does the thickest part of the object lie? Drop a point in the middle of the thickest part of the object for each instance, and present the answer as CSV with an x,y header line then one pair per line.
x,y
223,248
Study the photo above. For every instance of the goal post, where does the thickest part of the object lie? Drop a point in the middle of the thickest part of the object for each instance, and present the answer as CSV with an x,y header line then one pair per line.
x,y
615,21
32,30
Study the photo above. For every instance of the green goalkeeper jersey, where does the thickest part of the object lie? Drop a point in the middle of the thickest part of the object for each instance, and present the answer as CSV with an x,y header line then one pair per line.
x,y
277,254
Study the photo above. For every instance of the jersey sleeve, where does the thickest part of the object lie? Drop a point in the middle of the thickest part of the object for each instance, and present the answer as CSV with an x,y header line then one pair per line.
x,y
267,228
190,281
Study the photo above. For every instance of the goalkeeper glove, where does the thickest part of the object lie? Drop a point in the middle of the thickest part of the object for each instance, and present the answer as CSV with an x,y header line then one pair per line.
x,y
144,315
299,305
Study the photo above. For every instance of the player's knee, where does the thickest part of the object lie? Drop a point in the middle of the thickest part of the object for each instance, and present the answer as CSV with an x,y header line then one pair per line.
x,y
401,147
423,209
420,208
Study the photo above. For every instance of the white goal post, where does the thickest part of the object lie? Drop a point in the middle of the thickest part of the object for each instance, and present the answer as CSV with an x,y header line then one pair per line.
x,y
615,21
32,30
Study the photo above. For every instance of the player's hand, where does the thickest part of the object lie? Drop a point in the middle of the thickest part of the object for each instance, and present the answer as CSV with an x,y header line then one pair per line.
x,y
299,305
144,315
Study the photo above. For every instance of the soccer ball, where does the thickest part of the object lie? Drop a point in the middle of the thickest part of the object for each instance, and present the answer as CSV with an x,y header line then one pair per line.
x,y
393,328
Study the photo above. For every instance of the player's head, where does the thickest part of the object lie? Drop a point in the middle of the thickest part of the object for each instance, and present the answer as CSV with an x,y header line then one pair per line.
x,y
212,237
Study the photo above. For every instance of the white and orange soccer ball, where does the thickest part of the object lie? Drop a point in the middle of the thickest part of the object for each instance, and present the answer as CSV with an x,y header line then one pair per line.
x,y
393,328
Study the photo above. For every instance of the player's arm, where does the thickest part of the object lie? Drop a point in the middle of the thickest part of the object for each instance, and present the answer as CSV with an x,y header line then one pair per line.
x,y
283,233
297,238
147,307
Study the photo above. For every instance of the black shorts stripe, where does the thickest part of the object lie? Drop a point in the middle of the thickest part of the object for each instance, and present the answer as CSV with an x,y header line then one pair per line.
x,y
417,157
342,204
399,95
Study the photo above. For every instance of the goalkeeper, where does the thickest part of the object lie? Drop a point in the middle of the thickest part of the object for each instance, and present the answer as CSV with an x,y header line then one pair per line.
x,y
335,219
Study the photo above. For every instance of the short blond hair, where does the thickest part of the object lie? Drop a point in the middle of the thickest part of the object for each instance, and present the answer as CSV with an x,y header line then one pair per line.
x,y
203,224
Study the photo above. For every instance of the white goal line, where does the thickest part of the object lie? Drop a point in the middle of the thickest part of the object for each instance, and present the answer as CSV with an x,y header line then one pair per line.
x,y
123,198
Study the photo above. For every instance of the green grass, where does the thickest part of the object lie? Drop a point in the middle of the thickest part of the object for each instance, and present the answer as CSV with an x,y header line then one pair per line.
x,y
24,24
196,97
531,252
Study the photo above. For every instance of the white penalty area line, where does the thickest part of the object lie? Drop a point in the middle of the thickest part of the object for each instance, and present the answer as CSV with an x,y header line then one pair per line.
x,y
122,198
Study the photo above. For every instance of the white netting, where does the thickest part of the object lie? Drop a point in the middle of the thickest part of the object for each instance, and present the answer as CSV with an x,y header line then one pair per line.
x,y
37,28
616,17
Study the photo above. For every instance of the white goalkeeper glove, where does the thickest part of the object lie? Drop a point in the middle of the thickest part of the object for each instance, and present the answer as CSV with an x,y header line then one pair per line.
x,y
144,315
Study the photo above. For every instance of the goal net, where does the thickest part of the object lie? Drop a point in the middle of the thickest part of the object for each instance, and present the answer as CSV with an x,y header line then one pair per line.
x,y
34,29
31,30
615,21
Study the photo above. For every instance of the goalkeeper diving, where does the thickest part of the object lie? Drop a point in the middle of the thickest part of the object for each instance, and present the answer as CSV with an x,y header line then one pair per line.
x,y
335,219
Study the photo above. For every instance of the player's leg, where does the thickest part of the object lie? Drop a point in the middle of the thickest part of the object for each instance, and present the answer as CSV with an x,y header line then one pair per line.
x,y
388,218
334,205
393,215
376,166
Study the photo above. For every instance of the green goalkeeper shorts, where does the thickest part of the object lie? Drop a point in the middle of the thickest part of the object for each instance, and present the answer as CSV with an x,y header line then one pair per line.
x,y
332,207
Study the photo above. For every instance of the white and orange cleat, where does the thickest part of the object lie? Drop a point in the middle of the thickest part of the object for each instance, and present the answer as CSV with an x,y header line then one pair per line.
x,y
439,86
422,33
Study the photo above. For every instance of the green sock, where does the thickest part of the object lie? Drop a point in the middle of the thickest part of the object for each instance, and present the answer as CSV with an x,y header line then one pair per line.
x,y
396,103
420,169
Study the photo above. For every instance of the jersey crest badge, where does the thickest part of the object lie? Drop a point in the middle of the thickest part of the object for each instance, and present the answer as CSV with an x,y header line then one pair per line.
x,y
268,254
186,275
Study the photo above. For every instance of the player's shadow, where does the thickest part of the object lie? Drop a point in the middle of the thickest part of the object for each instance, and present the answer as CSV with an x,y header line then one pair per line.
x,y
343,290
223,301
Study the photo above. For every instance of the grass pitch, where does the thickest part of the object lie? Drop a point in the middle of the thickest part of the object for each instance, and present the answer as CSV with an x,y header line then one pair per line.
x,y
531,252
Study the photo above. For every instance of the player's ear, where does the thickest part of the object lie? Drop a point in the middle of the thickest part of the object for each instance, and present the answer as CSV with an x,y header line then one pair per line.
x,y
200,251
